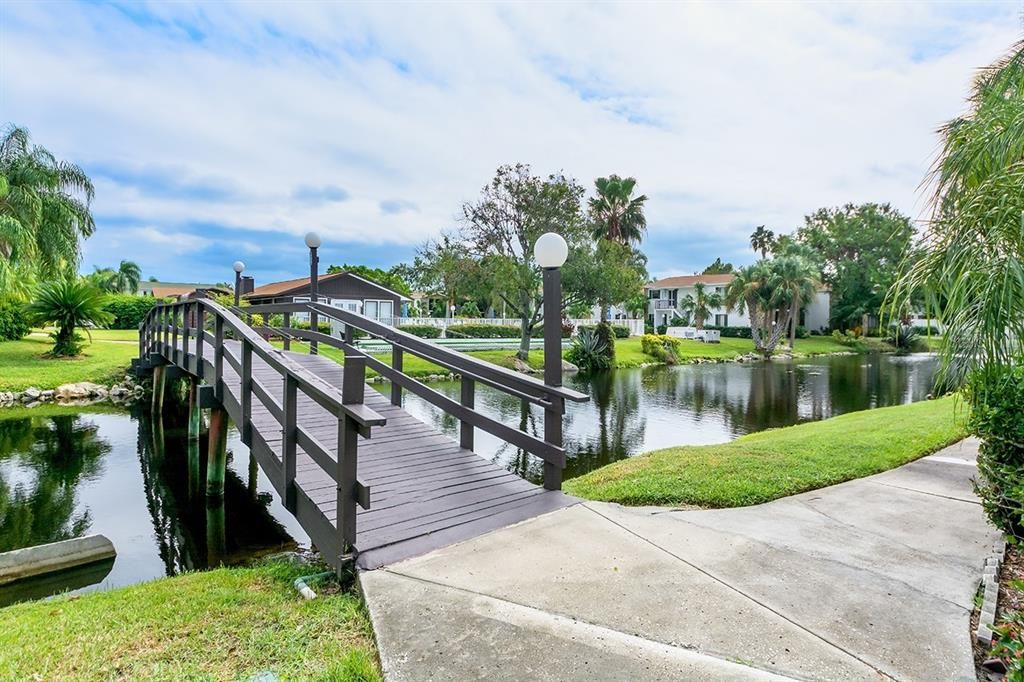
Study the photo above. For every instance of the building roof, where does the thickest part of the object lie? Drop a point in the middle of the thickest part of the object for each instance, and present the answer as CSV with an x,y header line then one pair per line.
x,y
690,280
165,289
711,280
290,285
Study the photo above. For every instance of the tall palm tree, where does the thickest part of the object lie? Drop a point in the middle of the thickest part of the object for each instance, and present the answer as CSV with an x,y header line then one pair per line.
x,y
44,213
128,277
104,279
68,303
971,270
793,285
618,215
701,303
762,239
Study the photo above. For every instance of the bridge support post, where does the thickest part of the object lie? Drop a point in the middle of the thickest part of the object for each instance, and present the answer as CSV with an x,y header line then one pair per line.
x,y
553,369
194,424
217,452
159,384
352,392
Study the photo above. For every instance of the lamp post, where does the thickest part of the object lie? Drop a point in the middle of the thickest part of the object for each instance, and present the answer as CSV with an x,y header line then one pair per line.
x,y
313,242
239,267
550,251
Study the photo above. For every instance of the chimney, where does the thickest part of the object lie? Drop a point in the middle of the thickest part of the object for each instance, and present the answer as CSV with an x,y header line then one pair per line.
x,y
247,284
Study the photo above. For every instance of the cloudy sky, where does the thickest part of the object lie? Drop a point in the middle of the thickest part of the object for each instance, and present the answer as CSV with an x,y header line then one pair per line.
x,y
220,131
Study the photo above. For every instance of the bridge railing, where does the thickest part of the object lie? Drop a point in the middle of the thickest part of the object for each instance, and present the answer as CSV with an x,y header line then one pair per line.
x,y
471,371
160,332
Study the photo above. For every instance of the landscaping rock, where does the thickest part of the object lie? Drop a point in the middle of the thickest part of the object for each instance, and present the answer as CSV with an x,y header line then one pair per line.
x,y
31,393
46,395
520,366
82,389
569,367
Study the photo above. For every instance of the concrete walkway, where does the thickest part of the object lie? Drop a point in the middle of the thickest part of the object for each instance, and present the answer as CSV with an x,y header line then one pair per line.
x,y
868,580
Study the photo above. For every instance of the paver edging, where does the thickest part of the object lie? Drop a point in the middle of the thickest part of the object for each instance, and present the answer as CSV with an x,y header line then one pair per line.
x,y
990,594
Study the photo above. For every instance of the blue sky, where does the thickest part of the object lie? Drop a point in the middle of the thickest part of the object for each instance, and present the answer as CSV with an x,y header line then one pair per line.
x,y
223,131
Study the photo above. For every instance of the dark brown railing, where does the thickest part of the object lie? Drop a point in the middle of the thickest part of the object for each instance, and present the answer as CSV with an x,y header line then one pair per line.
x,y
470,369
159,333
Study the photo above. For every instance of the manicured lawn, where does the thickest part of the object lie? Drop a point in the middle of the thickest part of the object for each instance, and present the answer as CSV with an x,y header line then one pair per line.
x,y
104,361
770,464
226,624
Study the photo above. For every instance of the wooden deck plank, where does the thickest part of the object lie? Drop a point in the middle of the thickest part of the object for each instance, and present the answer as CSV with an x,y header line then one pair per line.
x,y
426,491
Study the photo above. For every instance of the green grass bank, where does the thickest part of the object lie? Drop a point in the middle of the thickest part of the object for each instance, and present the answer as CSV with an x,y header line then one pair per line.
x,y
771,464
225,624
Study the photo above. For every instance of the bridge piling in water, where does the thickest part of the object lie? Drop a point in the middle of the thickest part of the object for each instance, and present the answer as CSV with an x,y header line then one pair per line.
x,y
217,452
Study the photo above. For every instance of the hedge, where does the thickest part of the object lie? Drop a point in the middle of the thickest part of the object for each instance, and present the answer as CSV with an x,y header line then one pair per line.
x,y
128,310
424,331
731,332
12,323
483,331
621,331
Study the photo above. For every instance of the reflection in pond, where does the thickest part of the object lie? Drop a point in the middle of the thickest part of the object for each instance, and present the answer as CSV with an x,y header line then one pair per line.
x,y
116,474
636,410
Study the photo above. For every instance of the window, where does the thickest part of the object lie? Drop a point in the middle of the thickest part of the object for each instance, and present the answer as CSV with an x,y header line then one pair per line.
x,y
721,320
300,316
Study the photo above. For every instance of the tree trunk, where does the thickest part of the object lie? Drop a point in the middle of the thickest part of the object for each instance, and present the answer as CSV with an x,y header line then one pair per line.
x,y
794,315
604,311
524,338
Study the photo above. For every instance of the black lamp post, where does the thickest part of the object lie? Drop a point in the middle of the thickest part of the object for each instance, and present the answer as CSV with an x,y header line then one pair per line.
x,y
239,267
550,251
313,242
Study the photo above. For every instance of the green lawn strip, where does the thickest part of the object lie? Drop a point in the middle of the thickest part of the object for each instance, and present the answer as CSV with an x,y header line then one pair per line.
x,y
223,624
771,464
47,410
24,363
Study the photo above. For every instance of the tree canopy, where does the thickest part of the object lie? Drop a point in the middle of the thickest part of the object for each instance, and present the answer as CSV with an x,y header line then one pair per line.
x,y
44,214
392,278
858,249
617,215
719,268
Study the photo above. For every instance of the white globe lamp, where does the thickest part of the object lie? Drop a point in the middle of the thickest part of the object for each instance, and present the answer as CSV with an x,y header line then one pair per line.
x,y
550,250
313,240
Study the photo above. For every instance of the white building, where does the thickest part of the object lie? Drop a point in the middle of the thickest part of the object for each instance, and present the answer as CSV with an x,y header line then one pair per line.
x,y
666,295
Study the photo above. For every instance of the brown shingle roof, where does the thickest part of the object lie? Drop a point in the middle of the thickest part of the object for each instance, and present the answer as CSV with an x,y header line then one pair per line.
x,y
275,288
165,290
689,281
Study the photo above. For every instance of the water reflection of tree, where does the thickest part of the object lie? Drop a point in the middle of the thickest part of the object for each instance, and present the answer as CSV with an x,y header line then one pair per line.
x,y
58,452
615,402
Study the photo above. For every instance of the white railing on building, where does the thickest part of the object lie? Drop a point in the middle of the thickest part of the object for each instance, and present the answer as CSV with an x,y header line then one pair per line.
x,y
636,327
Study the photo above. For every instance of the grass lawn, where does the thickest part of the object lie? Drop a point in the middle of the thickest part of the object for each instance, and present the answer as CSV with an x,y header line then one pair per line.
x,y
224,624
770,464
104,361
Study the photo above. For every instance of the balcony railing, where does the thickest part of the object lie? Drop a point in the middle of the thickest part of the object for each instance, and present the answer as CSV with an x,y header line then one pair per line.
x,y
664,304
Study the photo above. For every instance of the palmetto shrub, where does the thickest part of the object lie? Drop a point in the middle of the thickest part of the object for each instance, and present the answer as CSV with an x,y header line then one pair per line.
x,y
589,351
68,304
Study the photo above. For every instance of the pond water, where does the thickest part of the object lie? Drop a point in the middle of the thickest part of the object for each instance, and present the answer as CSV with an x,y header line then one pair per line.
x,y
636,410
76,473
98,472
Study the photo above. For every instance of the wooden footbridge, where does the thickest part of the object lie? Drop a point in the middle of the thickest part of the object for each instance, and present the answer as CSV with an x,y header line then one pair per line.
x,y
366,480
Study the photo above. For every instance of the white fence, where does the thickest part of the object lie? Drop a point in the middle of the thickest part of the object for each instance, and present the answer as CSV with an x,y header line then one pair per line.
x,y
636,327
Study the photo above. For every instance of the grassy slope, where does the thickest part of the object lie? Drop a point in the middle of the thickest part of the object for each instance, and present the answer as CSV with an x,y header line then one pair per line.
x,y
218,625
22,363
770,464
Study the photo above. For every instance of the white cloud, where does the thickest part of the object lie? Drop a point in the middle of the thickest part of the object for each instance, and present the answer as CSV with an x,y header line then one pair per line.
x,y
730,115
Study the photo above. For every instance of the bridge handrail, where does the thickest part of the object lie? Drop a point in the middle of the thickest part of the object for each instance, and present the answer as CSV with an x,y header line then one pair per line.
x,y
493,375
354,418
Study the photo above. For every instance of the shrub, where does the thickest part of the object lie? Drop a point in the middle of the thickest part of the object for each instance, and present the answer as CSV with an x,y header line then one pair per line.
x,y
589,351
485,331
13,323
128,310
648,328
68,304
469,309
847,338
801,332
926,331
322,326
424,331
604,332
737,332
1009,644
621,331
664,348
906,339
997,418
661,329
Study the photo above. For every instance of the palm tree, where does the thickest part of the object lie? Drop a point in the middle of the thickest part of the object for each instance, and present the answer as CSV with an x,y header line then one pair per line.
x,y
793,285
701,303
748,291
68,303
128,277
762,239
44,213
971,271
618,215
104,279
